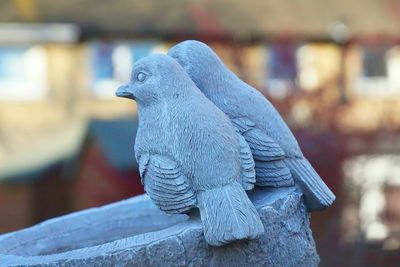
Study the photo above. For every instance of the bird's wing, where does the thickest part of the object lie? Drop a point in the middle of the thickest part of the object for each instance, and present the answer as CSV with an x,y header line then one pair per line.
x,y
262,146
270,168
166,185
247,162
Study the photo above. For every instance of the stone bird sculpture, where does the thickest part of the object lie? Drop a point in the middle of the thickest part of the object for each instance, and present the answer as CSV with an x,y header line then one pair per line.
x,y
278,158
189,153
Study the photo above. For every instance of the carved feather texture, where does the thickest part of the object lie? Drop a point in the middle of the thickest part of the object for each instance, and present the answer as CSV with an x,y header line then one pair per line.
x,y
273,173
317,195
193,150
228,214
166,185
262,146
248,165
243,124
265,131
143,162
268,155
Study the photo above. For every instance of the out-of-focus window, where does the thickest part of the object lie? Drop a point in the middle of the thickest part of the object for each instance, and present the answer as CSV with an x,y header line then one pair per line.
x,y
23,73
373,211
318,65
112,63
282,68
374,64
380,71
393,68
372,80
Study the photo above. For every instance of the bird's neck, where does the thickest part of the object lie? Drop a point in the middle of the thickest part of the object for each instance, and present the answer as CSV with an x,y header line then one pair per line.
x,y
147,112
156,108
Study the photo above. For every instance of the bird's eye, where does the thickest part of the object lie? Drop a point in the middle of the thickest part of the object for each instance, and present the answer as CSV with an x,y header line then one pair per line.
x,y
141,76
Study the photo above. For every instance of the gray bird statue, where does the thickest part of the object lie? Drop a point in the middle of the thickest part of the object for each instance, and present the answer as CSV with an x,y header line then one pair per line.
x,y
278,158
189,153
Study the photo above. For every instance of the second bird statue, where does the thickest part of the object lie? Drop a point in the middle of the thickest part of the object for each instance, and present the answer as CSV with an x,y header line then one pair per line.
x,y
189,153
278,158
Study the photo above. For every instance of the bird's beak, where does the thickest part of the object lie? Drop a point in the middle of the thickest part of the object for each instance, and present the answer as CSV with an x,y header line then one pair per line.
x,y
123,91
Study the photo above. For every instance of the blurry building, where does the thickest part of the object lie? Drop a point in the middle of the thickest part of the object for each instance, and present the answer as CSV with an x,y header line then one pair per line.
x,y
371,219
91,167
34,183
107,170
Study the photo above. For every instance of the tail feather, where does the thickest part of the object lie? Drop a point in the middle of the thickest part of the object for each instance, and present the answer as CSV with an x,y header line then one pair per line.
x,y
316,193
227,214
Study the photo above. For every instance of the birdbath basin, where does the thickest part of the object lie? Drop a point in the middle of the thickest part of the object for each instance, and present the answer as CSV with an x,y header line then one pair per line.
x,y
134,232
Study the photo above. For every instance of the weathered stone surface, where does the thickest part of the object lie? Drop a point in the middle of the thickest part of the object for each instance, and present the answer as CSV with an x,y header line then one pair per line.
x,y
278,159
189,153
136,233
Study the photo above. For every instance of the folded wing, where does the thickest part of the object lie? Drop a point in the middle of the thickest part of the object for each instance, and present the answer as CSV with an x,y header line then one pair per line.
x,y
270,167
166,185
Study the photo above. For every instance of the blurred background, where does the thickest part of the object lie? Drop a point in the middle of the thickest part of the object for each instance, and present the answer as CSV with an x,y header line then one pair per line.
x,y
332,69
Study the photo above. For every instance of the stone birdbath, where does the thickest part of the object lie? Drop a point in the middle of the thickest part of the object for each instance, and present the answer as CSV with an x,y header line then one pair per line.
x,y
134,232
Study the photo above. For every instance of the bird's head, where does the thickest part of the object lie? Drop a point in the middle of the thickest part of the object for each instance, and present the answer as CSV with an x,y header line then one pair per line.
x,y
153,78
199,61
